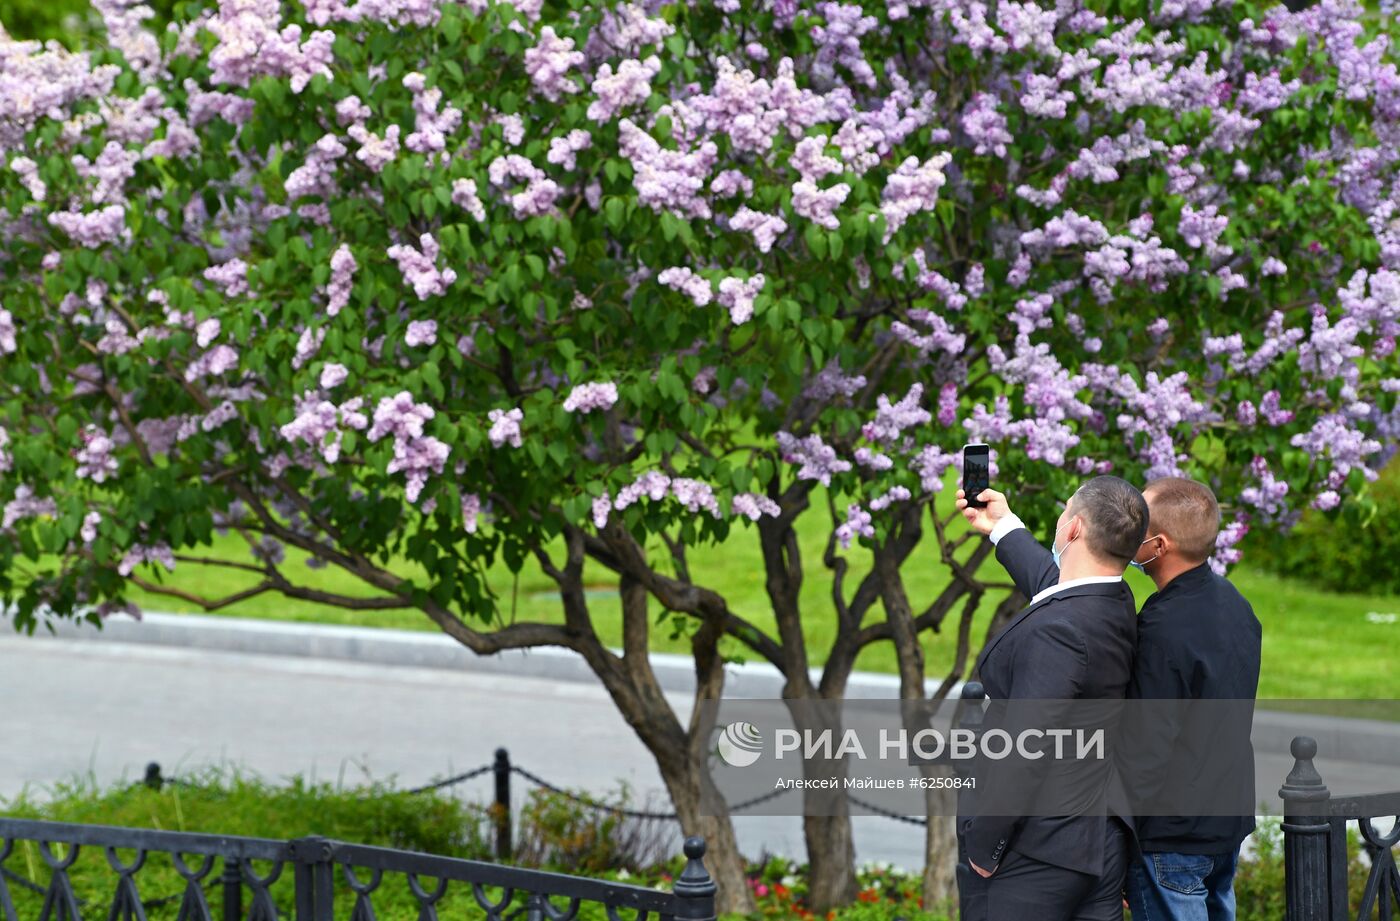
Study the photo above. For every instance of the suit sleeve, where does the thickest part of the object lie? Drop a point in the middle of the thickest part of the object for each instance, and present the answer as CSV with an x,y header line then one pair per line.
x,y
1048,672
1029,564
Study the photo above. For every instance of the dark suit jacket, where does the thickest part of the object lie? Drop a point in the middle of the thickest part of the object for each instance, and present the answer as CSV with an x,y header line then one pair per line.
x,y
1197,640
1076,644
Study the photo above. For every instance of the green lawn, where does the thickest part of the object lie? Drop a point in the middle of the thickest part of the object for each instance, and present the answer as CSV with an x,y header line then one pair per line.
x,y
1316,643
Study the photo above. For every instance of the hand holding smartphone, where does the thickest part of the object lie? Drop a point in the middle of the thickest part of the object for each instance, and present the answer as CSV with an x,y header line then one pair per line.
x,y
977,472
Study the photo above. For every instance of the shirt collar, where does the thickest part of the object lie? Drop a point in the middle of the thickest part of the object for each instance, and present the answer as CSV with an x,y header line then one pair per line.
x,y
1074,583
1190,577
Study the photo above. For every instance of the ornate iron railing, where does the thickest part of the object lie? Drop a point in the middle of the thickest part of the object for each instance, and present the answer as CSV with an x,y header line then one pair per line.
x,y
318,879
1316,860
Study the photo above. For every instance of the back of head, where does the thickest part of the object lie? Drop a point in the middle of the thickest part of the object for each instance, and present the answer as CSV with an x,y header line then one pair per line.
x,y
1115,518
1185,511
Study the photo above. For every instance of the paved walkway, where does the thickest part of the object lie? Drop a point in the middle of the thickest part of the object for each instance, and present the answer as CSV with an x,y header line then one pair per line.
x,y
106,709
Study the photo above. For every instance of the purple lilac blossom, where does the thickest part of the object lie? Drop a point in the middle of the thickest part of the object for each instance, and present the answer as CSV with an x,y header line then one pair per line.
x,y
587,398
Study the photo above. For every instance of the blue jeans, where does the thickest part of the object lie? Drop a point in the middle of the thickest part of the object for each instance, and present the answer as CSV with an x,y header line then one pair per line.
x,y
1182,887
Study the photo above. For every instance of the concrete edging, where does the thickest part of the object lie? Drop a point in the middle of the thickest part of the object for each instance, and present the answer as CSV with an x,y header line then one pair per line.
x,y
415,649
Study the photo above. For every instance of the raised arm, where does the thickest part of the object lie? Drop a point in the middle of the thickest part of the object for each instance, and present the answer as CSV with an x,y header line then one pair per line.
x,y
1030,565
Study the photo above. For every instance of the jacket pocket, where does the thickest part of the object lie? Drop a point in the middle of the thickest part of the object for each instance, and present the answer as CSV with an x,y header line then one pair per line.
x,y
1184,873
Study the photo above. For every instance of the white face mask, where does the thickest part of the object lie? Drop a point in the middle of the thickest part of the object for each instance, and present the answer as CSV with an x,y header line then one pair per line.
x,y
1057,552
1142,567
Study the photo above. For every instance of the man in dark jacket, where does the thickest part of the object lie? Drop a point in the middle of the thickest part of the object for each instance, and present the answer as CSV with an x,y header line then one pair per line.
x,y
1073,642
1198,640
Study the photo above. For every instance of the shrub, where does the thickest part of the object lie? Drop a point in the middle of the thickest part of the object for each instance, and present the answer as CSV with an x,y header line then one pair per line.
x,y
555,829
1354,547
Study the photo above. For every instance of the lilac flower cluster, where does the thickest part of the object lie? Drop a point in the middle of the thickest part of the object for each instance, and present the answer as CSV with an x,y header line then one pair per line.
x,y
858,524
688,283
830,383
464,196
138,554
1226,552
96,460
1269,493
93,228
8,343
985,126
587,398
420,333
431,128
737,295
505,427
838,40
251,46
321,424
548,63
539,193
342,282
891,419
26,504
630,85
471,512
814,459
231,277
754,506
416,455
912,188
667,180
419,267
766,228
564,151
693,495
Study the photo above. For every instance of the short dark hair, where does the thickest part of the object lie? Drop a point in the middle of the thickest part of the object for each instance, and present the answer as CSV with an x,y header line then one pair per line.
x,y
1115,517
1187,512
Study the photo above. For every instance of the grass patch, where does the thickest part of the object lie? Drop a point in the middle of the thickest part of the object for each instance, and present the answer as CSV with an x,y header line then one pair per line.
x,y
1317,644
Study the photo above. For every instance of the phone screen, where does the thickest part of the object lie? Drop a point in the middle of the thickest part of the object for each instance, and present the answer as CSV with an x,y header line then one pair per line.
x,y
976,472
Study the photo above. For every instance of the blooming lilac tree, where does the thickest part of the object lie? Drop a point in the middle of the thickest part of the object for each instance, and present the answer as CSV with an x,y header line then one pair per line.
x,y
416,285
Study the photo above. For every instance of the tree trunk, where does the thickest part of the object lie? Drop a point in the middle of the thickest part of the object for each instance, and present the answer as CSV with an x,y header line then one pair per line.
x,y
940,885
685,779
680,753
831,855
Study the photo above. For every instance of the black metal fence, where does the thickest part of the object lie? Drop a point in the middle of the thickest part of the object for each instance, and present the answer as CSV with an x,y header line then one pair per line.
x,y
1315,846
317,879
503,769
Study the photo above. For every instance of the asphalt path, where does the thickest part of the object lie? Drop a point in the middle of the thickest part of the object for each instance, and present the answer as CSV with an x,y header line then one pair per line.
x,y
101,710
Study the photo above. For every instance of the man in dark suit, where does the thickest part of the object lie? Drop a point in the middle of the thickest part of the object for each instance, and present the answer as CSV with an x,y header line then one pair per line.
x,y
1198,640
1073,642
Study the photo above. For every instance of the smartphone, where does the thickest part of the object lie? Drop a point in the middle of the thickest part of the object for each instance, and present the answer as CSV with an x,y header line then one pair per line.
x,y
977,472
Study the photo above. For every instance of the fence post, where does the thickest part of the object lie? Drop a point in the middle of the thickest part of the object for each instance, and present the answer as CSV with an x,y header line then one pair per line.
x,y
315,889
502,806
233,890
1306,837
694,889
